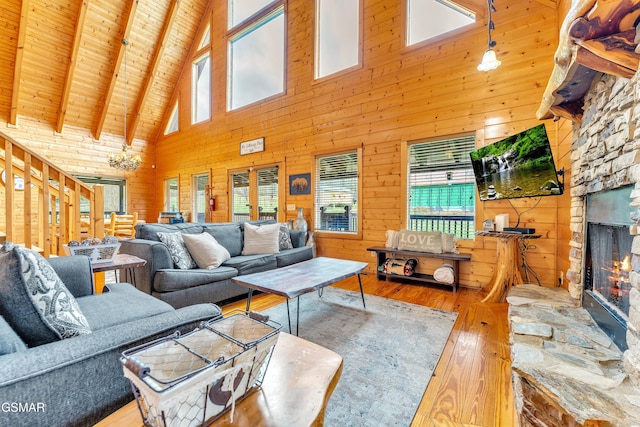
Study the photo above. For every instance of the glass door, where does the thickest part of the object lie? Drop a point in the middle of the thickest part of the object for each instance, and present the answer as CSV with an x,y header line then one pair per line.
x,y
268,193
255,193
200,202
240,196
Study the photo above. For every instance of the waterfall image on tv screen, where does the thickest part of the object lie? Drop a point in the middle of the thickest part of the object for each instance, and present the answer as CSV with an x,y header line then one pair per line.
x,y
520,165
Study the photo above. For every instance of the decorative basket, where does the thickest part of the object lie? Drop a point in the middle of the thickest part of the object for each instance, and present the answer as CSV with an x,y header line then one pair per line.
x,y
97,253
193,379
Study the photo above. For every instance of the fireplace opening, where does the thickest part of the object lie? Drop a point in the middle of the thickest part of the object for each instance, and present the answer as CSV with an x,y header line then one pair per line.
x,y
607,262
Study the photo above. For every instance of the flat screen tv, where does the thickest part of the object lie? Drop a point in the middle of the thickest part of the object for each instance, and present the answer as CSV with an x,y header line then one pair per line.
x,y
520,165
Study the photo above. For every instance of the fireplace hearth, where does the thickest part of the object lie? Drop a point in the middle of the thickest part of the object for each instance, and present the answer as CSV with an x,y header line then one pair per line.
x,y
607,283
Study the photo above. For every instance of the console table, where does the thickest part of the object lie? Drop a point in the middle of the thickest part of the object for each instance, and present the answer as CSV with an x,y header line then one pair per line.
x,y
508,266
382,252
299,381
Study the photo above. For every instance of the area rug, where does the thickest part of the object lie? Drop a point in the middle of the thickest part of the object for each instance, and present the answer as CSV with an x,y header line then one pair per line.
x,y
390,350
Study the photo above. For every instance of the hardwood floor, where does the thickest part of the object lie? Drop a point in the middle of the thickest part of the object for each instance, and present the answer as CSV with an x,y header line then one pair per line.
x,y
471,385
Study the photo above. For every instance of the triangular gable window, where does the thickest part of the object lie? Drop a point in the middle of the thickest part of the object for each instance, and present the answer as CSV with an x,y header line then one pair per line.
x,y
430,18
206,38
172,125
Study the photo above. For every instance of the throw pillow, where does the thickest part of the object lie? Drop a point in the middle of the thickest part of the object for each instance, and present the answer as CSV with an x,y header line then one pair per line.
x,y
178,251
392,239
205,250
284,237
420,241
399,266
261,239
449,243
33,299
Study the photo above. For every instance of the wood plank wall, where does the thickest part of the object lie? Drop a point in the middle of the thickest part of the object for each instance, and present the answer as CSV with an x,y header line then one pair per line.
x,y
76,152
399,94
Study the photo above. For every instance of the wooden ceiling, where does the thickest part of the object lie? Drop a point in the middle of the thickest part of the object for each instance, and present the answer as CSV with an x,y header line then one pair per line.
x,y
62,62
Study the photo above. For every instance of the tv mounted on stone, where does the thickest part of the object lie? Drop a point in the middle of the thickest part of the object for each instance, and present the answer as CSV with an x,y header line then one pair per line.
x,y
520,165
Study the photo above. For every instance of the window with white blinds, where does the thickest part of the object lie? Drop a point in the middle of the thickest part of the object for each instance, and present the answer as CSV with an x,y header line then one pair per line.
x,y
336,193
268,193
441,187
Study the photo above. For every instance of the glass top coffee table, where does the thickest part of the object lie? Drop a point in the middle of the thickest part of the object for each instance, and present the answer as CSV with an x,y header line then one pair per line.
x,y
301,278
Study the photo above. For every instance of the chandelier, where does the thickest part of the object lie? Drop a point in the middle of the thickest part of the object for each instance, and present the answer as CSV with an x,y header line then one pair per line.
x,y
124,160
489,60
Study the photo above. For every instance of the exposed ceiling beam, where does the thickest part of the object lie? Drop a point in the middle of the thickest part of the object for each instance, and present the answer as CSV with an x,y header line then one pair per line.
x,y
17,69
148,83
116,70
73,60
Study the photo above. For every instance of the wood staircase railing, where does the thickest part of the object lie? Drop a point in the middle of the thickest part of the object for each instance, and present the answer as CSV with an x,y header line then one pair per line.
x,y
45,207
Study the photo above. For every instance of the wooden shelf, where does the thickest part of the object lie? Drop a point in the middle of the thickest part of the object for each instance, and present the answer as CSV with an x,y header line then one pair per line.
x,y
418,277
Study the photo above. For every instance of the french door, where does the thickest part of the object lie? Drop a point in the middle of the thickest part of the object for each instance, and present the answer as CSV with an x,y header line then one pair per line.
x,y
255,193
199,197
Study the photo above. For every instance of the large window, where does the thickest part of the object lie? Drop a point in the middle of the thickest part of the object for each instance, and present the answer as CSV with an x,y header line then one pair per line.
x,y
201,91
337,35
442,186
114,194
337,188
256,55
240,10
427,19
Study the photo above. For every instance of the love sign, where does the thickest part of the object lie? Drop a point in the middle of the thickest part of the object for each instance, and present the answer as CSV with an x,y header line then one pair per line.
x,y
420,241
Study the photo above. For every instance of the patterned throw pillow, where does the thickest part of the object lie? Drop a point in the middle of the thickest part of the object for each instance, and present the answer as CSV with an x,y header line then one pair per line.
x,y
399,266
34,301
178,251
284,237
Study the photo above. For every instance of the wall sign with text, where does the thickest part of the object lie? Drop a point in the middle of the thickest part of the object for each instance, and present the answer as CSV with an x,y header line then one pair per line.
x,y
253,146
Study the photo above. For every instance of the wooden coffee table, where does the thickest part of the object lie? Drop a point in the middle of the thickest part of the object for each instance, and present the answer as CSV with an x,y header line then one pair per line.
x,y
299,381
301,278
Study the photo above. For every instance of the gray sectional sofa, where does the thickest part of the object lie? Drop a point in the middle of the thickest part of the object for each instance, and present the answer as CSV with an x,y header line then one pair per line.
x,y
161,278
76,380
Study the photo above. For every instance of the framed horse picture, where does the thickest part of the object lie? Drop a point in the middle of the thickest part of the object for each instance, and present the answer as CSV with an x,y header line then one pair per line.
x,y
300,184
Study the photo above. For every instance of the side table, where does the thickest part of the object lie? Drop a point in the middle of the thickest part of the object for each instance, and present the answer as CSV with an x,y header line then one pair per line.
x,y
120,262
299,381
508,266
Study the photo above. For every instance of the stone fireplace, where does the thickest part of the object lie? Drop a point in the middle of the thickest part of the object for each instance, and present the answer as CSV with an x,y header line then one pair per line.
x,y
607,266
605,160
569,370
